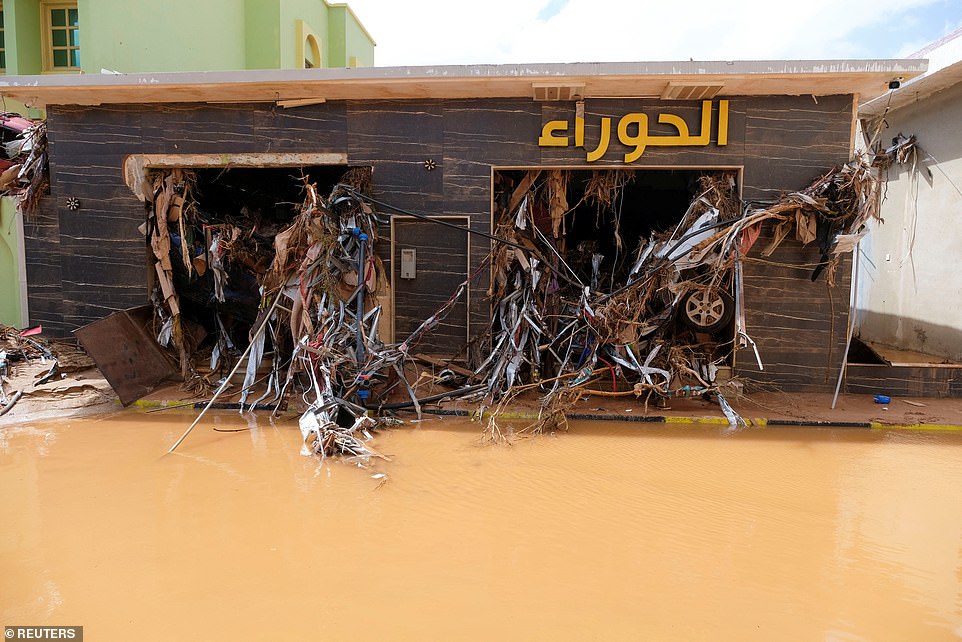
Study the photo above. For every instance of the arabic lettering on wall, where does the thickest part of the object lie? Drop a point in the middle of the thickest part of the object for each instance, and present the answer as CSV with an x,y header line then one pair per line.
x,y
633,132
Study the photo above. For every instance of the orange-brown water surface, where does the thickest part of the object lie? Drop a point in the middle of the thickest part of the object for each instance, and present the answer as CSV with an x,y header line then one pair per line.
x,y
609,532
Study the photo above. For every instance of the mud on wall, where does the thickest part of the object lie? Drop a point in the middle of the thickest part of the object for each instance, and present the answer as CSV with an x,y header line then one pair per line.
x,y
910,286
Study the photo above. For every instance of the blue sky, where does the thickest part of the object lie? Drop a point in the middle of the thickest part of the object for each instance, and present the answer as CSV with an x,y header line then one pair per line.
x,y
912,31
419,32
552,9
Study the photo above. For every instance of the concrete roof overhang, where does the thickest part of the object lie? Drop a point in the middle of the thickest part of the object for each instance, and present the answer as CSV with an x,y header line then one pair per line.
x,y
913,91
865,78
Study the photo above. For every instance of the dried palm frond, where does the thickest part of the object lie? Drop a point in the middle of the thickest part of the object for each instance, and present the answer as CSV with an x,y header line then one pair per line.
x,y
605,187
558,201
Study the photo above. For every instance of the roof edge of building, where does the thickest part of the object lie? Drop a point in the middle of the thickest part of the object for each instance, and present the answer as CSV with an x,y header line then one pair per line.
x,y
468,72
913,91
601,79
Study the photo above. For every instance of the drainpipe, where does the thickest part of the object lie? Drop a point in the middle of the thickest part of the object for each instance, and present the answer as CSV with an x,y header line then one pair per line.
x,y
362,392
362,241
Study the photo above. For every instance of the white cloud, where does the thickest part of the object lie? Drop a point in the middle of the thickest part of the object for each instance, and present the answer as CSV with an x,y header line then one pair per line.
x,y
418,32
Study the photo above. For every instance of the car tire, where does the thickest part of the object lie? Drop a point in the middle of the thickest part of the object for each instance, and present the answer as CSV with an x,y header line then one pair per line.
x,y
707,310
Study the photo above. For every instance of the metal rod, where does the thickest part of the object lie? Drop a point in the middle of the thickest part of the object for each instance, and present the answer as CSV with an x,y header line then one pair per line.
x,y
444,395
361,281
851,327
226,382
555,251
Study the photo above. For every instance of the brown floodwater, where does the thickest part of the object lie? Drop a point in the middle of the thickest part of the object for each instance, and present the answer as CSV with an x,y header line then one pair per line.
x,y
610,531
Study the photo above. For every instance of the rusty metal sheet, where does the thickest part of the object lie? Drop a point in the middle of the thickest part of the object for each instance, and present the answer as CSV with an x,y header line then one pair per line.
x,y
126,352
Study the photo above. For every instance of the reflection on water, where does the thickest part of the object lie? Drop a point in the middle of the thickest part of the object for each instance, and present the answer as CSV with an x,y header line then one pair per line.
x,y
607,532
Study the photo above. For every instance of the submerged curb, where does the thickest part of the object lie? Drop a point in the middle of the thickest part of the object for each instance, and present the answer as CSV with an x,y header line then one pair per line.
x,y
755,422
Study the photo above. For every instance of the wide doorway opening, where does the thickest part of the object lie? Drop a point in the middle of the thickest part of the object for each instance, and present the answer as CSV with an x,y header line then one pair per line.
x,y
225,247
621,267
224,244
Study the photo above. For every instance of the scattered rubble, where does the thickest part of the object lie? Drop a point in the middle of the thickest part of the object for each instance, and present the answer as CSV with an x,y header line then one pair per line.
x,y
41,379
23,161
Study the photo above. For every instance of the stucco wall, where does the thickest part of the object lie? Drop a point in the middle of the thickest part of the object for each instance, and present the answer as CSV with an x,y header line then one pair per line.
x,y
910,287
182,35
21,23
263,34
348,39
315,15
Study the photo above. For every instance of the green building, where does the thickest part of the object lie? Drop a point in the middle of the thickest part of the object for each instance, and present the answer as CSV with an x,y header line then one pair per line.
x,y
139,36
88,36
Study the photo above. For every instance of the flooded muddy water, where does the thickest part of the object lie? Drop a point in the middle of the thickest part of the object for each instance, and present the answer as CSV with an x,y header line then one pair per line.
x,y
609,531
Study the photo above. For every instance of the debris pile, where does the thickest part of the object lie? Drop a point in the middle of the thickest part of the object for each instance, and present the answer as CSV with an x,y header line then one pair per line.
x,y
570,319
832,211
653,313
15,346
28,362
554,324
304,289
23,160
18,347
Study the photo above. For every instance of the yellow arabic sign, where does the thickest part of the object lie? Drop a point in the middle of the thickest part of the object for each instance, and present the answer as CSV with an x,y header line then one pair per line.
x,y
633,132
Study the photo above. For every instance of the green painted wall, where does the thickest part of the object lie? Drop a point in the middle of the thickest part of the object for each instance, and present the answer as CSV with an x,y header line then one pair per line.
x,y
336,36
357,43
22,33
175,35
262,31
190,35
11,312
315,15
348,39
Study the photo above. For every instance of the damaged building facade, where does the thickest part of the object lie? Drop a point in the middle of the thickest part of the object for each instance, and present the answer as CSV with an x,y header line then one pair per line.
x,y
590,169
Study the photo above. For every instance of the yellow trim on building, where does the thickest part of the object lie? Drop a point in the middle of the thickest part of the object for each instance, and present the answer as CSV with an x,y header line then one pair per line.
x,y
351,13
308,41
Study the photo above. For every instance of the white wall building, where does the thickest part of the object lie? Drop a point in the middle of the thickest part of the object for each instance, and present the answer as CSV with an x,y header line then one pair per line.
x,y
909,294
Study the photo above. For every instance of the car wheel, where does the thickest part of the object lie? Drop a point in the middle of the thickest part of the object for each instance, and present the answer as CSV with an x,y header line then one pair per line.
x,y
707,310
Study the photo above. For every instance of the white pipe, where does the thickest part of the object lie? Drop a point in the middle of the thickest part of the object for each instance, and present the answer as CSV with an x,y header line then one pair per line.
x,y
851,324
